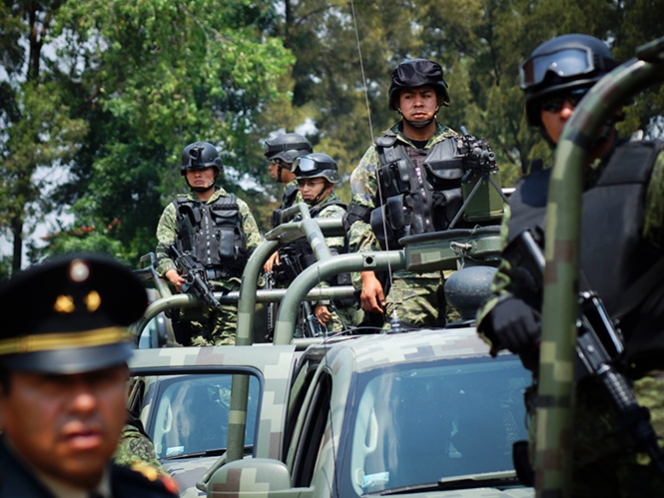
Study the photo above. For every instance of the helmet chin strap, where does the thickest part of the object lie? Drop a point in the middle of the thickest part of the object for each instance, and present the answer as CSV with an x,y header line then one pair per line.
x,y
419,124
316,199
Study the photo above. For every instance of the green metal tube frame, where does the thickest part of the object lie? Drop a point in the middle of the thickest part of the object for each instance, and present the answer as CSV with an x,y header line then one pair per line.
x,y
557,356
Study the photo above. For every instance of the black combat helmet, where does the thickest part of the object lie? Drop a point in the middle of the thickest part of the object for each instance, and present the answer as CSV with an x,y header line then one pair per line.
x,y
201,155
563,64
286,148
417,72
316,166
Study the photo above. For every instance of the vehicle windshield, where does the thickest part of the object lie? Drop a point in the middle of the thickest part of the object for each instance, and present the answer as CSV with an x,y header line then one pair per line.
x,y
191,414
419,423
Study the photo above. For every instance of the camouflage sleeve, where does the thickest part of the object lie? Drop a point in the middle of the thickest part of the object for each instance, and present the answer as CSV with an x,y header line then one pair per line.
x,y
653,227
337,243
249,226
500,287
166,235
363,188
134,447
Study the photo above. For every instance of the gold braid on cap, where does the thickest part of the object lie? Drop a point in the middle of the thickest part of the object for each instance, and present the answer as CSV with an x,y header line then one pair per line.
x,y
64,340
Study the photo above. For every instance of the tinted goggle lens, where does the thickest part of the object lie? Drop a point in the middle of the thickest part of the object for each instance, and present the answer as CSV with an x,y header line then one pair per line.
x,y
305,164
565,63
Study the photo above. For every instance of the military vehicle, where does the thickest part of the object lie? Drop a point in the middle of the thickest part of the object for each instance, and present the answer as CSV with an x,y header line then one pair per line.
x,y
351,358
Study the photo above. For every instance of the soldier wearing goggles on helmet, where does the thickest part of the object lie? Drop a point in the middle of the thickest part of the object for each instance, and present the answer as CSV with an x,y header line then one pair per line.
x,y
622,238
218,230
316,175
280,152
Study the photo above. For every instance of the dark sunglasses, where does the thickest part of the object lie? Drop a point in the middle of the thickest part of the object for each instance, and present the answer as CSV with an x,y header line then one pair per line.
x,y
555,102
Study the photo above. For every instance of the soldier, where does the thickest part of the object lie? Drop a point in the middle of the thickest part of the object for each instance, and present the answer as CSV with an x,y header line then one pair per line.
x,y
316,176
135,447
420,192
280,152
219,230
64,345
620,242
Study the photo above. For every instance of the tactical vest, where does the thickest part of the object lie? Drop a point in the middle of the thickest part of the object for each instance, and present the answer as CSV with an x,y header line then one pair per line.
x,y
213,233
290,194
420,189
614,255
301,248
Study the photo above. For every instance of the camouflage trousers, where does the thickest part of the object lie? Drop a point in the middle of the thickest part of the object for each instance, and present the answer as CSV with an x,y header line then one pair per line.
x,y
217,327
416,299
604,464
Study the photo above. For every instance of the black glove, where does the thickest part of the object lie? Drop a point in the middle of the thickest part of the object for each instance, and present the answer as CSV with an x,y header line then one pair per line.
x,y
516,325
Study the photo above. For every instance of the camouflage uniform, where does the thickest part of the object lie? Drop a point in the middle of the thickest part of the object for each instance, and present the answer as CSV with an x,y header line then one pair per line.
x,y
604,464
135,447
416,298
219,326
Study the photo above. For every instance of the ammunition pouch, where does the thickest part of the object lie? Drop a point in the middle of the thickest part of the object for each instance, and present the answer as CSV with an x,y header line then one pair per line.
x,y
354,213
276,218
389,222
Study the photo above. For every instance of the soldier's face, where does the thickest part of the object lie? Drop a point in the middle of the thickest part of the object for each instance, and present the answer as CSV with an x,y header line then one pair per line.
x,y
310,188
419,103
67,426
555,119
200,177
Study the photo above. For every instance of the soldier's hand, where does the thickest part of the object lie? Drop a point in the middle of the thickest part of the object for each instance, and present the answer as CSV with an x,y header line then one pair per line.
x,y
175,278
516,325
372,298
322,313
271,261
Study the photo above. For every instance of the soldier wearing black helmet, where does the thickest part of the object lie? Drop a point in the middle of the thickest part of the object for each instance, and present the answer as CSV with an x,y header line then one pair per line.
x,y
218,229
64,346
404,185
280,152
622,239
316,175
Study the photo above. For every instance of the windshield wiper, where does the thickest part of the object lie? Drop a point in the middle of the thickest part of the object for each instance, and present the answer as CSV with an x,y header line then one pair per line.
x,y
214,452
503,479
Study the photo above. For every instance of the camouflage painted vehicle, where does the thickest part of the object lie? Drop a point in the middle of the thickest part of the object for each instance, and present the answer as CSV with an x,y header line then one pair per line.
x,y
426,413
183,398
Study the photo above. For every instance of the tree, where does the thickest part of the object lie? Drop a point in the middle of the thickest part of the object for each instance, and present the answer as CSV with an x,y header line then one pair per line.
x,y
37,128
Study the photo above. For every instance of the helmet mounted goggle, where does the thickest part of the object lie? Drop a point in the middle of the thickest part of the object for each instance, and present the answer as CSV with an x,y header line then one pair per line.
x,y
270,148
316,167
565,63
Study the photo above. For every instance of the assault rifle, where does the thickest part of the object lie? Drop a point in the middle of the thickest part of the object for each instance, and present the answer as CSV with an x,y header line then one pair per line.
x,y
599,347
194,273
308,324
271,306
311,326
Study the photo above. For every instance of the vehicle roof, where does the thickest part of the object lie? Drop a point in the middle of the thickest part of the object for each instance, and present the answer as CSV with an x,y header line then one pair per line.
x,y
265,357
388,349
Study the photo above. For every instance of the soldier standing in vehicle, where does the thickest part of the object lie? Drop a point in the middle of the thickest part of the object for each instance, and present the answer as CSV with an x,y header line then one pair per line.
x,y
316,175
280,152
219,230
621,241
64,347
420,192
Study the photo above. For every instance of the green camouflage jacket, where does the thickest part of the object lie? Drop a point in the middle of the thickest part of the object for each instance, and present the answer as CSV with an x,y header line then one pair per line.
x,y
653,232
167,230
364,186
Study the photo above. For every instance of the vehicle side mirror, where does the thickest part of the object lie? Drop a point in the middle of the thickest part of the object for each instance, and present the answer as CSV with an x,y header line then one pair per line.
x,y
253,477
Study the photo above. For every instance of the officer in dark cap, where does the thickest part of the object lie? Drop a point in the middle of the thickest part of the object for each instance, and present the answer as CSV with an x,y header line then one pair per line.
x,y
64,345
